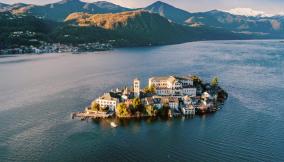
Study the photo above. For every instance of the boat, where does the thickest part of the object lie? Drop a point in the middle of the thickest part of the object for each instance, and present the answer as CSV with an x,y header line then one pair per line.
x,y
112,124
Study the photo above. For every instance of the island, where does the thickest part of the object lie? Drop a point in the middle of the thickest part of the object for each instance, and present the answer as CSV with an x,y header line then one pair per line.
x,y
165,97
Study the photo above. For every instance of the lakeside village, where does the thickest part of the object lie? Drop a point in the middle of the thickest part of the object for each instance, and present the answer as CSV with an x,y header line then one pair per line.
x,y
41,47
58,48
167,96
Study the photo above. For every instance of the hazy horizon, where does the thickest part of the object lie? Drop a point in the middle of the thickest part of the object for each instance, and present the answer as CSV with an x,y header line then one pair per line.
x,y
268,6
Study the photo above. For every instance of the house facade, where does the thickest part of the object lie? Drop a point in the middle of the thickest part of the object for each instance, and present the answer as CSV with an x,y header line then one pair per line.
x,y
109,100
173,86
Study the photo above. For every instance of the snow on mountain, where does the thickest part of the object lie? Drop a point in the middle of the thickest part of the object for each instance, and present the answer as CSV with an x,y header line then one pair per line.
x,y
249,12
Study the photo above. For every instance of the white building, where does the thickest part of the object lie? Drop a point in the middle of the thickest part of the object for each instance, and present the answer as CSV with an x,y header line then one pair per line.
x,y
188,110
173,103
136,86
173,86
108,100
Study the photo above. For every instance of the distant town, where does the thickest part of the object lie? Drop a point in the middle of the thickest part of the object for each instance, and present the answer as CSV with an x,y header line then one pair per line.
x,y
165,96
45,47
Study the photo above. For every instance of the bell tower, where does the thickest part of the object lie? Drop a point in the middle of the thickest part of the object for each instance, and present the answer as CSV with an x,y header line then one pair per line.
x,y
136,86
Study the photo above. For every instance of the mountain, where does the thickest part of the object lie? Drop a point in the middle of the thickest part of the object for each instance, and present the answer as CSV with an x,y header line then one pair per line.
x,y
58,11
6,7
239,20
2,5
139,28
134,27
250,12
157,24
110,7
125,29
265,27
17,30
170,12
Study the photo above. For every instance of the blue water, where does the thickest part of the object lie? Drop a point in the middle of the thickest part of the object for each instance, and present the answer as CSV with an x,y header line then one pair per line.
x,y
38,93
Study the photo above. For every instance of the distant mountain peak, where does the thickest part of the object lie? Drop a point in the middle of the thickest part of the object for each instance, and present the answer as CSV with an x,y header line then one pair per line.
x,y
160,4
170,12
249,12
108,5
3,5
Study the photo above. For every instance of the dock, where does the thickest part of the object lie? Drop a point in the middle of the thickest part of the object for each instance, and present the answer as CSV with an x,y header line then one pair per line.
x,y
86,115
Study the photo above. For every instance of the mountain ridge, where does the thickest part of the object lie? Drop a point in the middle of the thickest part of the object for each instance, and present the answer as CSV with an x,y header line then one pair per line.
x,y
125,29
172,13
58,11
157,24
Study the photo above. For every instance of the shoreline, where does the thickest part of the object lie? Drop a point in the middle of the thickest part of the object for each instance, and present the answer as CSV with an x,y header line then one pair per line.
x,y
142,117
143,46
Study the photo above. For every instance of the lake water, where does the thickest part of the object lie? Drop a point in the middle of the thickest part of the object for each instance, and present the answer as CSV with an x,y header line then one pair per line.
x,y
38,93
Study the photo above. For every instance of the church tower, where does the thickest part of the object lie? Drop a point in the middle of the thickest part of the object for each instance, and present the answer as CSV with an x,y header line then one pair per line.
x,y
136,86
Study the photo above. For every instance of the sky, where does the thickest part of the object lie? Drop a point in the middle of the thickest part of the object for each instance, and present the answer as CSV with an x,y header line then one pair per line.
x,y
268,6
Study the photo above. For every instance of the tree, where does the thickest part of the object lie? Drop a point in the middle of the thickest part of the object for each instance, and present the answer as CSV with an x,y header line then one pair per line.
x,y
132,109
215,82
196,80
95,106
122,110
151,89
137,105
151,110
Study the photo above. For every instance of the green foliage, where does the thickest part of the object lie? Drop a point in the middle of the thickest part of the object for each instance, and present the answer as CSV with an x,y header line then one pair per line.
x,y
132,109
10,23
137,105
95,106
151,110
196,80
150,89
215,82
122,110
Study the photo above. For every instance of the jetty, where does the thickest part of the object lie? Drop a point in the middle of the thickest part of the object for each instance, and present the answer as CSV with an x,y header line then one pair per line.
x,y
96,115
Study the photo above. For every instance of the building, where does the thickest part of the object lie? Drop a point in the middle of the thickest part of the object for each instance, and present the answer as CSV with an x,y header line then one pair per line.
x,y
173,103
188,110
126,94
136,87
157,102
109,100
173,86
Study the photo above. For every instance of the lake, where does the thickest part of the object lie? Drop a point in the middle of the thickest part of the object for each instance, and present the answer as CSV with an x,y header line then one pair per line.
x,y
39,92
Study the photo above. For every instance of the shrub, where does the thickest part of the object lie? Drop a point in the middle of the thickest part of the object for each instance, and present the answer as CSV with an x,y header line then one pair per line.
x,y
150,89
95,106
137,105
151,110
122,110
215,82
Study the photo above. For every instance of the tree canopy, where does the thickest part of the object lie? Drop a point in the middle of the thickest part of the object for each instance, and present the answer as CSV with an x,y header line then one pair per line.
x,y
150,89
95,106
151,110
196,80
137,105
122,110
215,82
